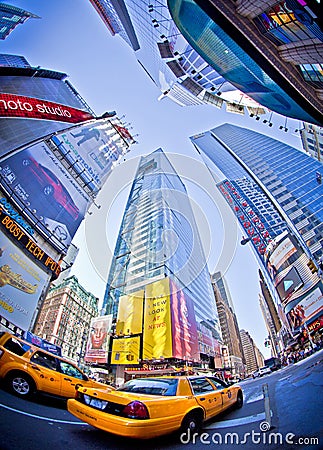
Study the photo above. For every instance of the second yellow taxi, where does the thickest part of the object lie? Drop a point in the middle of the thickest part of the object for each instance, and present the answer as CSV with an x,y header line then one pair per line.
x,y
27,369
148,407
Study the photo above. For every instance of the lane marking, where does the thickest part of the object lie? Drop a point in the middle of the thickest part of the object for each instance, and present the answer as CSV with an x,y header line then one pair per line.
x,y
41,417
254,398
239,421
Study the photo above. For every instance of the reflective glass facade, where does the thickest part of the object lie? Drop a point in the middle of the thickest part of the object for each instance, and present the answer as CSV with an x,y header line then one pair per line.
x,y
36,83
158,238
287,175
10,17
287,21
227,41
173,65
274,193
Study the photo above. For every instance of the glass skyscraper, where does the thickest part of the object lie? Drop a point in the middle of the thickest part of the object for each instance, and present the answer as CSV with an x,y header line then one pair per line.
x,y
10,17
158,240
268,50
286,175
171,63
273,190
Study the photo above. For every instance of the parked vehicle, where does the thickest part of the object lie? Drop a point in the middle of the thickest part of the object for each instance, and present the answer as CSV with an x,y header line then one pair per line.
x,y
273,363
148,407
264,371
27,369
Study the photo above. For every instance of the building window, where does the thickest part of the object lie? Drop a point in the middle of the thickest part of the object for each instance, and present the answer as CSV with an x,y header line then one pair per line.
x,y
282,25
312,73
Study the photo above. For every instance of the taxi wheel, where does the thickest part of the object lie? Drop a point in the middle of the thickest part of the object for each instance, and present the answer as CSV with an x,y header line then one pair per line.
x,y
239,401
21,385
193,422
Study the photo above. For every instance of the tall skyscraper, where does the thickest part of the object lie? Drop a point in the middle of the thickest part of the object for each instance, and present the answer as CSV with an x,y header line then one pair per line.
x,y
271,317
159,268
218,279
273,191
287,176
171,63
229,324
10,17
253,356
272,51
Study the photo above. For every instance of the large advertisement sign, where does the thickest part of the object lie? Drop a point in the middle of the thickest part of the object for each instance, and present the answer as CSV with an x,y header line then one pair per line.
x,y
130,310
125,350
47,189
157,336
97,348
42,343
184,329
9,226
21,284
289,284
92,150
279,256
33,108
306,309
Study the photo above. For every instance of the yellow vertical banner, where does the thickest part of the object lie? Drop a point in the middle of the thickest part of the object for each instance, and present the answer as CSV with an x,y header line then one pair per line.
x,y
130,309
157,336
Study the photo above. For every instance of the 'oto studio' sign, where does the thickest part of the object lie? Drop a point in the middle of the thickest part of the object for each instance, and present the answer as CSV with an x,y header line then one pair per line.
x,y
33,108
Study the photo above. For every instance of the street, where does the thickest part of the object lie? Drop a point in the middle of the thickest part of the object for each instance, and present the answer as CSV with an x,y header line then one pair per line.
x,y
294,421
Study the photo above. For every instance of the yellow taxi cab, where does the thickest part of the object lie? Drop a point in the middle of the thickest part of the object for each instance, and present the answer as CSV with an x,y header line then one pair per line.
x,y
26,369
148,407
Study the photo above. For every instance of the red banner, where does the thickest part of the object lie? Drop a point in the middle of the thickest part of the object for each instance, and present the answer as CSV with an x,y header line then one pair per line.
x,y
34,108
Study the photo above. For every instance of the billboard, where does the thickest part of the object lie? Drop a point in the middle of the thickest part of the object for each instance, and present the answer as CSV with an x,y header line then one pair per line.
x,y
280,255
125,350
22,283
18,234
97,347
92,150
184,329
42,343
289,284
33,108
130,310
47,190
157,335
306,309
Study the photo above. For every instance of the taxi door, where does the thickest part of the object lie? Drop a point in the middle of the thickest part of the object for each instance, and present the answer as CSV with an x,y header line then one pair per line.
x,y
43,368
207,396
71,378
226,392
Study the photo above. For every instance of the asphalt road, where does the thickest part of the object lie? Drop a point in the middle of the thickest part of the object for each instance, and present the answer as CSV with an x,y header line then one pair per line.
x,y
291,420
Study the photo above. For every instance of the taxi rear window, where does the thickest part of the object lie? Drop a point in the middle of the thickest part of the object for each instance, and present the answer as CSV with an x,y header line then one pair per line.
x,y
157,386
17,347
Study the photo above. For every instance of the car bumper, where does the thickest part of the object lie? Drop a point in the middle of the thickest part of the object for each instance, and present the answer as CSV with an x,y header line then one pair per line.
x,y
140,429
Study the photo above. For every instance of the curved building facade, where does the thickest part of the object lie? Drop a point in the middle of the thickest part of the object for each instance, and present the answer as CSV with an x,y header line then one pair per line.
x,y
273,191
271,51
55,156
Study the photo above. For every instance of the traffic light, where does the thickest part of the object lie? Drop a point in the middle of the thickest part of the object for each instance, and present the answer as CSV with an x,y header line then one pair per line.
x,y
312,266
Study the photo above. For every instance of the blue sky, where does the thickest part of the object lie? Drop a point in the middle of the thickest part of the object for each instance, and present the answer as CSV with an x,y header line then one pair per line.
x,y
71,38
